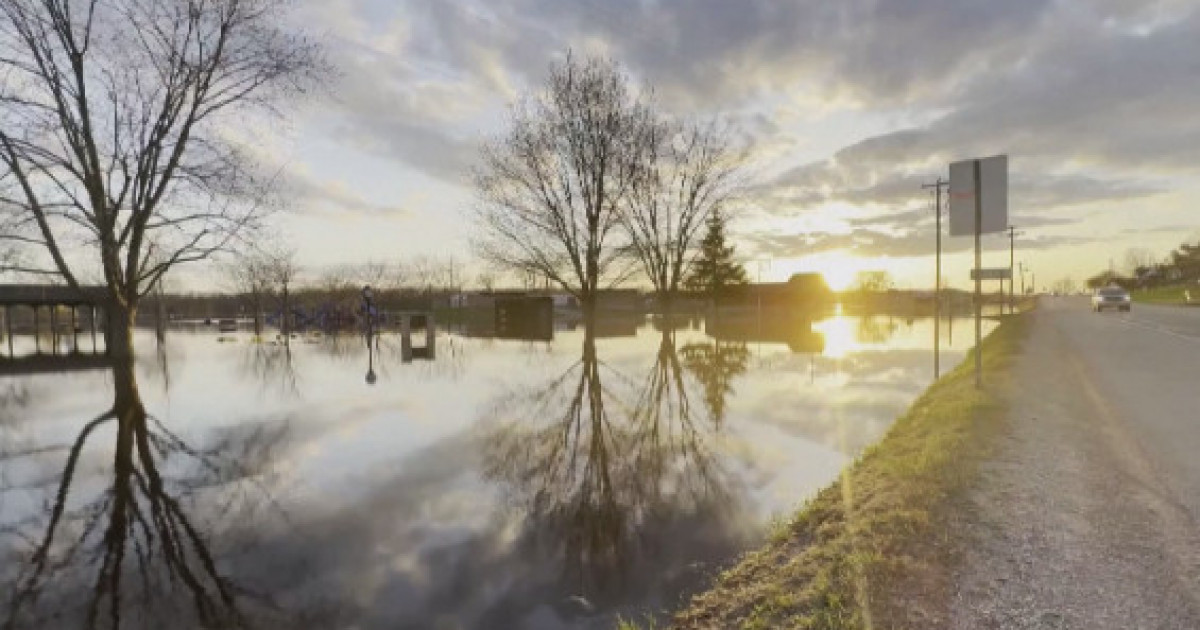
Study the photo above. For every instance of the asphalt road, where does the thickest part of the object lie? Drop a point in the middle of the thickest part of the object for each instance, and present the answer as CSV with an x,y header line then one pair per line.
x,y
1145,365
1088,514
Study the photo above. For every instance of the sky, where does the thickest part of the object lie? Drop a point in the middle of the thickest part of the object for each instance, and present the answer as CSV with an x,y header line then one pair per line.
x,y
847,108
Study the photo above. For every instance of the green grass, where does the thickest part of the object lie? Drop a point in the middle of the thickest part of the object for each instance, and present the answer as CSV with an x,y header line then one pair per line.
x,y
873,550
1167,295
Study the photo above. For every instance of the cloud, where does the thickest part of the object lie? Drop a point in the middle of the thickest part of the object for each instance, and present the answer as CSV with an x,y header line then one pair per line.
x,y
1093,101
309,194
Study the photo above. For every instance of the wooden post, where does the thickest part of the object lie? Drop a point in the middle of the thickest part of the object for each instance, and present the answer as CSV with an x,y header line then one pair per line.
x,y
75,328
37,324
406,337
430,335
53,329
8,328
93,319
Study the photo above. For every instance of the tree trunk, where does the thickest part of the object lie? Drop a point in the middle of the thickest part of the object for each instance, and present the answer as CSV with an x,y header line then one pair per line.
x,y
284,321
119,339
587,304
127,402
258,315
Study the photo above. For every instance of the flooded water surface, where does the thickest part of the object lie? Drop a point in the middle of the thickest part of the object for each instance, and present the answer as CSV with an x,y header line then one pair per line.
x,y
472,482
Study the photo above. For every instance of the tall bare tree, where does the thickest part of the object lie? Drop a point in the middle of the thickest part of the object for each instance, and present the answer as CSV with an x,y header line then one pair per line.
x,y
553,187
250,275
282,269
115,149
688,173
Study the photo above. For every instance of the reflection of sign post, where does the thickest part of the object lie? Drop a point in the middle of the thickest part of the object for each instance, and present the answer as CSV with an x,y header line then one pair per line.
x,y
979,204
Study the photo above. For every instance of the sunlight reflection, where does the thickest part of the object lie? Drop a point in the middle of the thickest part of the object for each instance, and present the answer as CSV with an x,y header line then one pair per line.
x,y
840,338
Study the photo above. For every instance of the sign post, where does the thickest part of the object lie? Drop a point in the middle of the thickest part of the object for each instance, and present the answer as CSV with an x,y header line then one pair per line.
x,y
979,204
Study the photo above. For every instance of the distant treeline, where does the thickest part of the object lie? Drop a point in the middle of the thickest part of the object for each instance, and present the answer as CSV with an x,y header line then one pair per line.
x,y
1143,270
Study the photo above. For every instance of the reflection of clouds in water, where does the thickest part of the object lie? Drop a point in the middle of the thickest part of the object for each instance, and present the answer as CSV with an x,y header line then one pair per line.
x,y
847,406
424,546
391,512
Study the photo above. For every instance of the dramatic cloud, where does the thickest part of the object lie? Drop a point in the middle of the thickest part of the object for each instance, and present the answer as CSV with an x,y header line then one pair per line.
x,y
850,104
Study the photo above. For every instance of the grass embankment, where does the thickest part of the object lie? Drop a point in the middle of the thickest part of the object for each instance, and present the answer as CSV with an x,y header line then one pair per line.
x,y
1167,295
873,550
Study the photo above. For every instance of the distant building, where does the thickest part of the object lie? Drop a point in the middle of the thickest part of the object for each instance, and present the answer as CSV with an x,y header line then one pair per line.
x,y
802,290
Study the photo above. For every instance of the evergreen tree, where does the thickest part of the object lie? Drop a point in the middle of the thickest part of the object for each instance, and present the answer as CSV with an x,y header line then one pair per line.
x,y
715,269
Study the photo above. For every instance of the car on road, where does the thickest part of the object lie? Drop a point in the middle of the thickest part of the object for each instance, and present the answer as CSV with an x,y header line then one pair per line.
x,y
1111,297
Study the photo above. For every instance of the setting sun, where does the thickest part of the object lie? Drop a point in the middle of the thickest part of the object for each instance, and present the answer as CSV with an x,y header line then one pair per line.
x,y
839,277
839,269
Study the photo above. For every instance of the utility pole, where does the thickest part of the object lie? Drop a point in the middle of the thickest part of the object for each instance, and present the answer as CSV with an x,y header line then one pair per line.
x,y
978,277
1012,235
1022,269
937,278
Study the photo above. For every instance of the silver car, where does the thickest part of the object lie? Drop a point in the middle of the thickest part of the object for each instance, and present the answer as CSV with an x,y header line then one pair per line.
x,y
1111,297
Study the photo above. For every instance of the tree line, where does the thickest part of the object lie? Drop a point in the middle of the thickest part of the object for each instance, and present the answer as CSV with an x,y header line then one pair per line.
x,y
1142,269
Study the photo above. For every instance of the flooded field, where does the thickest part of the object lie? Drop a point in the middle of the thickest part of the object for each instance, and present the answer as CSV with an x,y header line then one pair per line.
x,y
472,482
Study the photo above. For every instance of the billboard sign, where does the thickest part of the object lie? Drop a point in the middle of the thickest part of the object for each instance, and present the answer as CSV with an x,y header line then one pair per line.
x,y
993,173
992,273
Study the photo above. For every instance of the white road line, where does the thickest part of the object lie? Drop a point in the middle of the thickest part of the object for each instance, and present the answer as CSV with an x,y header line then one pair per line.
x,y
1158,329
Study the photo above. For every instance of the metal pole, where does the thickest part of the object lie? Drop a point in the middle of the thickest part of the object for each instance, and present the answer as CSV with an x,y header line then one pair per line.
x,y
1012,235
93,319
937,288
37,324
8,328
937,280
978,278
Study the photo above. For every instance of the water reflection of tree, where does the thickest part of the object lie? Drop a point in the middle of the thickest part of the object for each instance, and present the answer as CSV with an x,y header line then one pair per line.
x,y
875,330
715,365
134,555
272,365
601,464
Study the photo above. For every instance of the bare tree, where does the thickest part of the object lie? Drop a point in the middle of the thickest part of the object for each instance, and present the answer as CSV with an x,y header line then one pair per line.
x,y
688,173
376,274
423,273
553,187
250,275
282,270
338,284
873,281
1138,258
486,281
115,149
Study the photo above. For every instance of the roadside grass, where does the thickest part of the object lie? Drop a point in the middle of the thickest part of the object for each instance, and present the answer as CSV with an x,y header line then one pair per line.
x,y
874,550
1167,295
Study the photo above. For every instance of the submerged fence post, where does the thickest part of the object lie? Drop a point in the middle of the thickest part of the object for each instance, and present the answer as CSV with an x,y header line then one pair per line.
x,y
430,335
